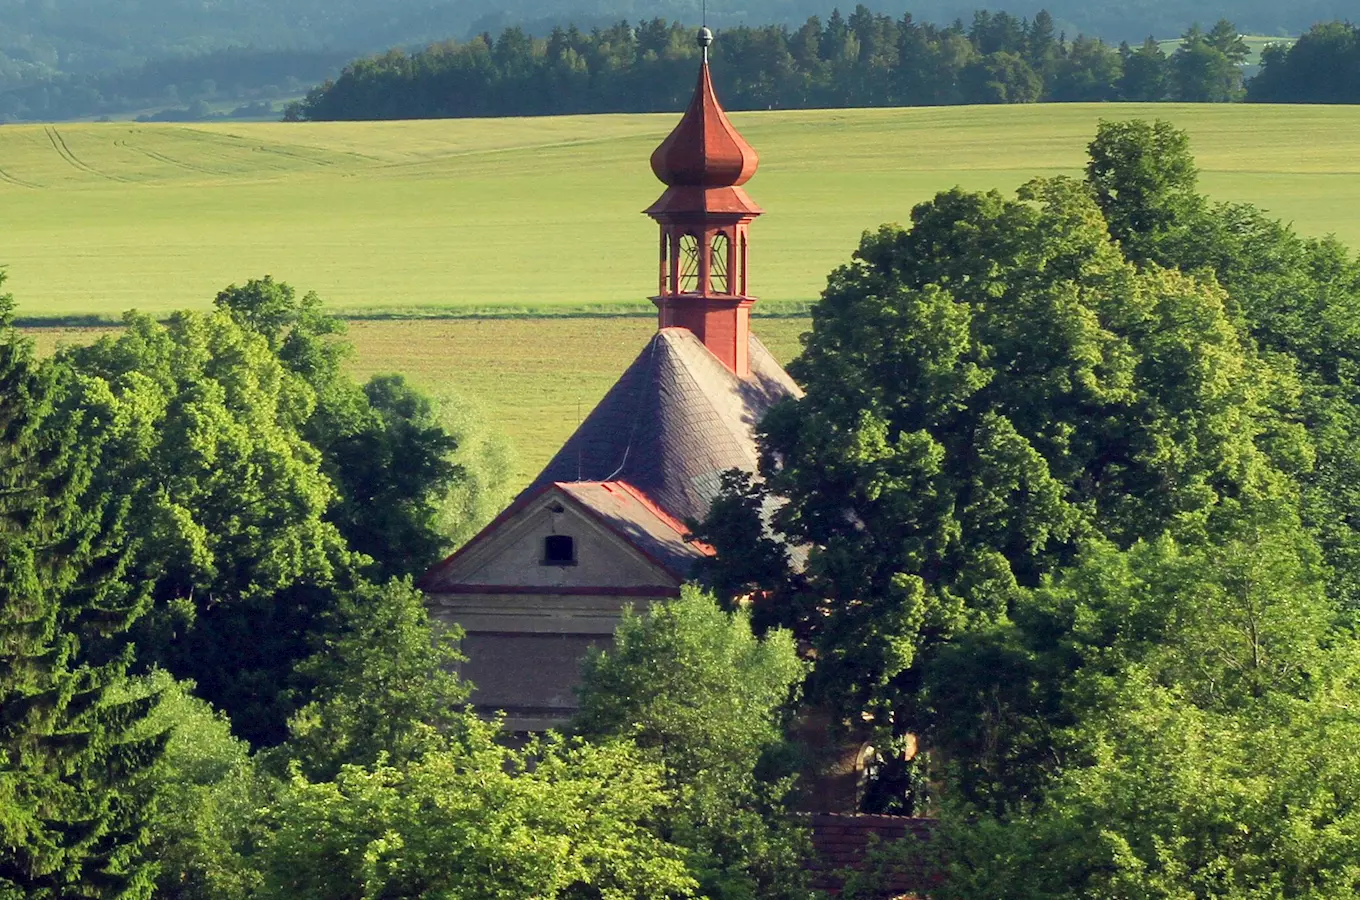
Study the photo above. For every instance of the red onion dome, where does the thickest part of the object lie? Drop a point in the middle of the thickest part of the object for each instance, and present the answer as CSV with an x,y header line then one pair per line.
x,y
704,150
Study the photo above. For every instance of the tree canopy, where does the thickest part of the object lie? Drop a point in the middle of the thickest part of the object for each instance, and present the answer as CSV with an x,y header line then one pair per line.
x,y
701,696
1076,458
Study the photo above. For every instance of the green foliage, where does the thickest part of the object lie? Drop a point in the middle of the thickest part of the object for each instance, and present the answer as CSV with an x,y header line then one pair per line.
x,y
985,392
864,59
383,683
1144,180
478,820
1207,67
1077,509
1299,299
74,755
1224,626
1320,67
228,505
383,446
1175,802
264,486
210,794
701,696
486,465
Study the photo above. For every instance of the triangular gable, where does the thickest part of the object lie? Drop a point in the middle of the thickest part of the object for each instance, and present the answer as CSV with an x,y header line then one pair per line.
x,y
620,545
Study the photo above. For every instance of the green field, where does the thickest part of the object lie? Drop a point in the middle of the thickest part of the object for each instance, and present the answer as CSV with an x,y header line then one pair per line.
x,y
543,214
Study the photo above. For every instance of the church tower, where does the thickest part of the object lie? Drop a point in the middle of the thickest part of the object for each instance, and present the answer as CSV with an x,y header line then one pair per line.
x,y
704,217
604,526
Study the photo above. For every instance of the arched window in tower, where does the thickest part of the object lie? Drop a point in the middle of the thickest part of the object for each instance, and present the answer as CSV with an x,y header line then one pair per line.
x,y
741,267
665,276
717,265
689,264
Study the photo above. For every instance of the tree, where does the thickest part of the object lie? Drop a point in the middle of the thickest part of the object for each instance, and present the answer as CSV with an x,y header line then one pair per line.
x,y
1207,68
1298,299
1144,180
228,502
702,697
211,793
1000,77
1322,66
478,820
1090,72
989,391
1175,801
73,818
1223,625
266,486
1146,75
383,682
384,446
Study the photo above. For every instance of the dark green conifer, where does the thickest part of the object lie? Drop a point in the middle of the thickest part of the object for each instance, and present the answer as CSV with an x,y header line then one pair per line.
x,y
68,765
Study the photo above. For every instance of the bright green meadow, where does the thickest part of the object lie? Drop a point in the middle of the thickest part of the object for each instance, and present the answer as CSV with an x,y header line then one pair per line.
x,y
543,215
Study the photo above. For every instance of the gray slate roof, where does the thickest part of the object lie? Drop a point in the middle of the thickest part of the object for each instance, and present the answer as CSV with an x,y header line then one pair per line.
x,y
673,423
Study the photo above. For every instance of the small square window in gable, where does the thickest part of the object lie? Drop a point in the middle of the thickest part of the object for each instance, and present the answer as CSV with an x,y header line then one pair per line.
x,y
559,550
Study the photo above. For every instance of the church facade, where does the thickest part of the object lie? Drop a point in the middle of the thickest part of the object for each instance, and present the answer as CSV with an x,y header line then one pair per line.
x,y
602,527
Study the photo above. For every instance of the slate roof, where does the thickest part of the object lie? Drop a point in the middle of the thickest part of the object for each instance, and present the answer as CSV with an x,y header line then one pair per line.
x,y
673,423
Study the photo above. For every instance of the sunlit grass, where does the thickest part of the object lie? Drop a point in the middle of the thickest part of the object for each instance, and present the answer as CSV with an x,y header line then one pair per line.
x,y
544,214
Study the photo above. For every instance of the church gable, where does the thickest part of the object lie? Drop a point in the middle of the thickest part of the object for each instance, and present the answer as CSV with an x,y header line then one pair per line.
x,y
552,543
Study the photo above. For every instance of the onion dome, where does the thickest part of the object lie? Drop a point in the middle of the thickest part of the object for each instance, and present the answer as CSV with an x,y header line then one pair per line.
x,y
704,150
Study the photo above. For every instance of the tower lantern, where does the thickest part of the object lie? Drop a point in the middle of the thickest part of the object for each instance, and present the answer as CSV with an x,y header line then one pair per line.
x,y
704,216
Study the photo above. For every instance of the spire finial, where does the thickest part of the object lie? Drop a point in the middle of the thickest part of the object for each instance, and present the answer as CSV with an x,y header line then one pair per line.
x,y
705,40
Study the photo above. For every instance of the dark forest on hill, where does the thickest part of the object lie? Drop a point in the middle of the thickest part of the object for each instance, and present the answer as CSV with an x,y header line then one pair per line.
x,y
82,37
865,59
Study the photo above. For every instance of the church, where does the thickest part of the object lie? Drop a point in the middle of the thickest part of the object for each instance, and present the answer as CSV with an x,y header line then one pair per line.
x,y
602,527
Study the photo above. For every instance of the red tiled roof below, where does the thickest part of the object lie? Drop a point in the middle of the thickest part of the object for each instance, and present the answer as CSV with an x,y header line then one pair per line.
x,y
840,842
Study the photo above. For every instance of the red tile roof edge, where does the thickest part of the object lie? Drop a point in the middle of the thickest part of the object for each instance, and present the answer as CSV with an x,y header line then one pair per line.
x,y
666,517
647,504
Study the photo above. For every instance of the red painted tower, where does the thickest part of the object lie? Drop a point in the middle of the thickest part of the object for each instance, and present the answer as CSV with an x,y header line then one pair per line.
x,y
704,216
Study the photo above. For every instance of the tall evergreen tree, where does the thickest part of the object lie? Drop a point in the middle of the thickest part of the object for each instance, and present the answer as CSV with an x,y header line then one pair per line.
x,y
73,819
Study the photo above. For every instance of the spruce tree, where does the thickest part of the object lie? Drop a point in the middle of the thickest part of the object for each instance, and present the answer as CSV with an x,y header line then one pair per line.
x,y
69,767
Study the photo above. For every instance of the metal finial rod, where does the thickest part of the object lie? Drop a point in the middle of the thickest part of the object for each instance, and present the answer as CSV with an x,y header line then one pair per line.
x,y
705,41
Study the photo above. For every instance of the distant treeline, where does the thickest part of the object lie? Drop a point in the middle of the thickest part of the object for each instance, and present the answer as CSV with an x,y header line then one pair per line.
x,y
251,78
865,59
1323,66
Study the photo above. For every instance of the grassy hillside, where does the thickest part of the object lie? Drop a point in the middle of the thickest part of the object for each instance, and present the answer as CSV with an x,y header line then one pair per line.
x,y
441,217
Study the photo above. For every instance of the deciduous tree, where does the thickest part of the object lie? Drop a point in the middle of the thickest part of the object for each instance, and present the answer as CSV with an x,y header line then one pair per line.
x,y
705,699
